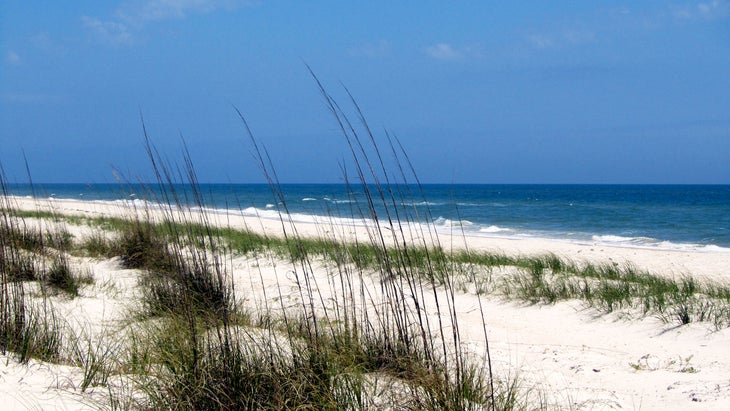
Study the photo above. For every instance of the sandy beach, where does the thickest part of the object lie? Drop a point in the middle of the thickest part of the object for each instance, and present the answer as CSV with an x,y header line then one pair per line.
x,y
580,358
672,263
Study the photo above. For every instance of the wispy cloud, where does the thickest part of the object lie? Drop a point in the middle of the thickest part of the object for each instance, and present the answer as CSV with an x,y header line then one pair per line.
x,y
131,17
706,10
449,52
153,10
12,58
109,32
443,51
377,49
43,41
541,41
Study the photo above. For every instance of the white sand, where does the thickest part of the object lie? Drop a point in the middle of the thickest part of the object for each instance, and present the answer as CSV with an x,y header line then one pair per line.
x,y
580,359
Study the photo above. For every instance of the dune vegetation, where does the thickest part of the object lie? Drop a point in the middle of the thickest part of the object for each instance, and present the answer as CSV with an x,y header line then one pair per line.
x,y
202,315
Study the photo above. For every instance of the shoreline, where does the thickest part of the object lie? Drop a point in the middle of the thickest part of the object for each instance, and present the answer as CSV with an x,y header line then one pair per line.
x,y
714,265
667,217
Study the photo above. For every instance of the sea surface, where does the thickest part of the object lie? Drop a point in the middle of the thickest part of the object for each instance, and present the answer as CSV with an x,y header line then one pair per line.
x,y
678,217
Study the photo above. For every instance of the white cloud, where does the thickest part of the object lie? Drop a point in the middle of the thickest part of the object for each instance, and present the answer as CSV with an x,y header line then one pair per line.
x,y
443,51
110,32
12,58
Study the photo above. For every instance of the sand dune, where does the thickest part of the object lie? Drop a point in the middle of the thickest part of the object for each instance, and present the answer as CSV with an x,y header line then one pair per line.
x,y
580,358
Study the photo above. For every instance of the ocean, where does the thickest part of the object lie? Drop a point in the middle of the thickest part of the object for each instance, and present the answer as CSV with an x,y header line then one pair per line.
x,y
676,217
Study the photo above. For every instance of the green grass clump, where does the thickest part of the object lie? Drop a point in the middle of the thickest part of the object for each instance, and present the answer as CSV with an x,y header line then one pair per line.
x,y
141,246
61,277
244,367
17,266
186,287
30,331
610,287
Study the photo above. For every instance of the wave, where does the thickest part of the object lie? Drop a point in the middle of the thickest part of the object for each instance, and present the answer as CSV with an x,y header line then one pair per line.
x,y
618,239
495,229
648,242
335,201
127,202
478,204
422,204
447,223
270,214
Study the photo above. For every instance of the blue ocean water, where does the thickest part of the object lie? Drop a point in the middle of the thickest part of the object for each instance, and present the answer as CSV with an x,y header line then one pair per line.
x,y
657,216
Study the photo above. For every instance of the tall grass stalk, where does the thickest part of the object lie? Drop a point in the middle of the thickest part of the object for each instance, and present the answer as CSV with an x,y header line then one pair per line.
x,y
393,320
28,329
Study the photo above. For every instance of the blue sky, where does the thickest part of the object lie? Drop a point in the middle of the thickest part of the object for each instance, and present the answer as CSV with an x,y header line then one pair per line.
x,y
477,91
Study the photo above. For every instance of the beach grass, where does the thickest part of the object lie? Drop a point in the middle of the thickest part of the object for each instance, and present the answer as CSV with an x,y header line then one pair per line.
x,y
541,279
30,328
349,323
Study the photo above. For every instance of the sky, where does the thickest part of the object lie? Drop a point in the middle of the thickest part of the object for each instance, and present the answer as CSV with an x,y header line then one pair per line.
x,y
600,92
